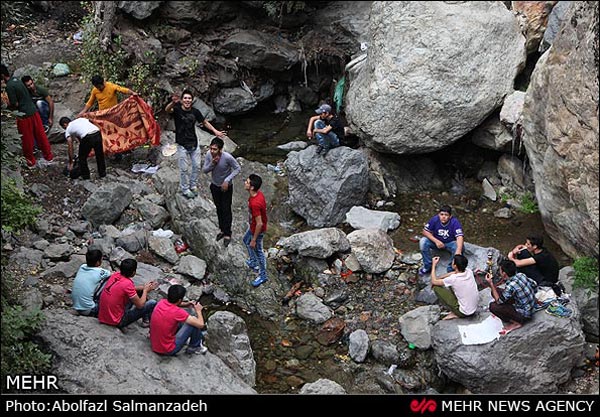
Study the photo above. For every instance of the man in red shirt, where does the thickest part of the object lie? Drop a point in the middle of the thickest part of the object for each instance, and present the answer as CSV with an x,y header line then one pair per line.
x,y
253,239
171,326
120,304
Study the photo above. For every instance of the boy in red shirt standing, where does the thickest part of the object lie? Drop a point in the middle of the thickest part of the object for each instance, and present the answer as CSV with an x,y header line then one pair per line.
x,y
171,326
253,239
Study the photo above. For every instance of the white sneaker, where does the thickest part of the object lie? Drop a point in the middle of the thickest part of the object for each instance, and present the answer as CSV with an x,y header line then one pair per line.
x,y
42,163
200,350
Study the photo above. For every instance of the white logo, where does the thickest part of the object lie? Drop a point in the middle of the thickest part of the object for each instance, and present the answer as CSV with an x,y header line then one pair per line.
x,y
444,233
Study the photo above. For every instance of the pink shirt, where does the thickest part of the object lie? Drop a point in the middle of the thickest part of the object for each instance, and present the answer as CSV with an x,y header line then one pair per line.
x,y
163,325
114,298
465,289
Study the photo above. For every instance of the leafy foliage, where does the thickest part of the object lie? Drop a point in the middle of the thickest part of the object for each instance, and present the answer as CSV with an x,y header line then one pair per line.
x,y
17,210
19,354
586,273
528,204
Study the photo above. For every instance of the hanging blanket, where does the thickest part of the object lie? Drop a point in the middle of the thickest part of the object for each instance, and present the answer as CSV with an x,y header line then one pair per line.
x,y
126,126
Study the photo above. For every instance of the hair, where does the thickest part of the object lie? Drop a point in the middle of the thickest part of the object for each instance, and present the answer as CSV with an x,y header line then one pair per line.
x,y
186,91
176,293
128,267
508,267
97,80
4,70
536,240
255,181
64,120
26,78
461,262
446,208
217,141
93,257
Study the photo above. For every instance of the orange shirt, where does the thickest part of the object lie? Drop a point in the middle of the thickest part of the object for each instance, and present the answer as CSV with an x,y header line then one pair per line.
x,y
107,98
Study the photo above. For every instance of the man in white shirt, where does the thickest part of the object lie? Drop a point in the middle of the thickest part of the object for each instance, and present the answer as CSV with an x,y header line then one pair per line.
x,y
457,290
89,137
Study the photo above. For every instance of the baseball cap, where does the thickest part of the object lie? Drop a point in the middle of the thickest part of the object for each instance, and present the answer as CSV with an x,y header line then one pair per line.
x,y
323,108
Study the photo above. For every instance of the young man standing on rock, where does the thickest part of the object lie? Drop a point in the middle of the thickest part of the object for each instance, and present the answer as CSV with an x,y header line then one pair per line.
x,y
457,290
29,122
442,232
120,304
253,239
186,117
224,168
171,326
517,301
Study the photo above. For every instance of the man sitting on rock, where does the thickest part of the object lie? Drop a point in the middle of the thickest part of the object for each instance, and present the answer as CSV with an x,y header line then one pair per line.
x,y
171,326
516,303
456,290
85,283
442,232
327,128
536,262
120,304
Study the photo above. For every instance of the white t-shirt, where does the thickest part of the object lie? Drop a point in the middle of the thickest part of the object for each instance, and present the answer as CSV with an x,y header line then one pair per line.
x,y
465,289
80,128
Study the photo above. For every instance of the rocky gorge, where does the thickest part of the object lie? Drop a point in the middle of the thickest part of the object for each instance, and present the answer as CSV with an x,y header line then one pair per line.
x,y
423,82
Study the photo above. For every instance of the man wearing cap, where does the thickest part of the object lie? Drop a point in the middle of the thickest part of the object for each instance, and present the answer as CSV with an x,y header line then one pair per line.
x,y
442,232
326,127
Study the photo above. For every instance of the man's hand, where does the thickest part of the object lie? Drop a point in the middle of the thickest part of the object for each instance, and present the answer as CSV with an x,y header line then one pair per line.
x,y
225,186
175,98
489,278
220,133
439,244
70,166
253,243
434,261
309,134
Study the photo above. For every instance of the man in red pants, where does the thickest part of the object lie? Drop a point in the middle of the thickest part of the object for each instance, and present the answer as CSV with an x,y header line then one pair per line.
x,y
29,122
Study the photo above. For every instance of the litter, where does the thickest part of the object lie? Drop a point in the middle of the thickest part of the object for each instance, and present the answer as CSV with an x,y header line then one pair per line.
x,y
162,233
145,168
169,149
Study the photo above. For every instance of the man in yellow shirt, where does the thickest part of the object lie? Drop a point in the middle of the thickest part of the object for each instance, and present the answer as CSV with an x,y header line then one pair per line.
x,y
105,93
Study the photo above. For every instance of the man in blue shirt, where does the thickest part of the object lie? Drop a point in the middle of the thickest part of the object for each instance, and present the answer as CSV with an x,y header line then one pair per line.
x,y
87,279
442,232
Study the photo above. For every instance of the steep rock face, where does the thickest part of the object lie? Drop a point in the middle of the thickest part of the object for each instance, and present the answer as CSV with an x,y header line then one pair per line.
x,y
434,72
560,121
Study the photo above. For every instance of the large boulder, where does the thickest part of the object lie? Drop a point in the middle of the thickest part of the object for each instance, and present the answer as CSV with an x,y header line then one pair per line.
x,y
362,218
320,243
323,188
373,249
430,78
138,9
106,204
560,123
262,50
92,358
535,359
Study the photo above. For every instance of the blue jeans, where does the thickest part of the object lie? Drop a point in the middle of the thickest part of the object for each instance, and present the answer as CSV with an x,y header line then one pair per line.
x,y
183,157
133,313
257,255
427,245
185,332
44,109
327,141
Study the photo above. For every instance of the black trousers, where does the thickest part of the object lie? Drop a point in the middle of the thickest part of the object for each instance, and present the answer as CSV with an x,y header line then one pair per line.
x,y
86,144
222,200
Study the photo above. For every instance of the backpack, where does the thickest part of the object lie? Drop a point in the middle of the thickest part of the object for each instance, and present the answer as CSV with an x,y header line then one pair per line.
x,y
99,288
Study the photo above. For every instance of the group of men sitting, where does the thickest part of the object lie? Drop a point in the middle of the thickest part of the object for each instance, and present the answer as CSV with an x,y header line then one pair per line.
x,y
121,303
527,267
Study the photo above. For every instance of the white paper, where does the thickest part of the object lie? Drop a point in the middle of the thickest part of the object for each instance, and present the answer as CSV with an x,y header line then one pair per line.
x,y
480,333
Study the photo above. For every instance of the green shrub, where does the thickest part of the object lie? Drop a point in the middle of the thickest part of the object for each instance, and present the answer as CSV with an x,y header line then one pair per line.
x,y
528,204
586,273
19,354
17,210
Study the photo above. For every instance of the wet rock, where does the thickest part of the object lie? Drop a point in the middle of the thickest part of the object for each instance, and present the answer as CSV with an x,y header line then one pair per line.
x,y
492,134
331,331
322,387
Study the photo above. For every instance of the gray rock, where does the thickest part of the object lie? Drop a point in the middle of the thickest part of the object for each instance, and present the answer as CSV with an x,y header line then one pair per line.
x,y
65,269
322,387
234,101
262,50
154,214
362,218
41,244
421,75
138,9
385,352
323,188
27,257
512,108
132,240
555,21
106,204
416,325
146,273
492,134
192,266
310,307
563,92
358,345
80,227
373,249
33,300
94,359
320,243
488,190
503,213
293,146
228,339
163,247
514,173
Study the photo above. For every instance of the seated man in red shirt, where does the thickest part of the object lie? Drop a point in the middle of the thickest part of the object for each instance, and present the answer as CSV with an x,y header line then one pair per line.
x,y
171,326
120,304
